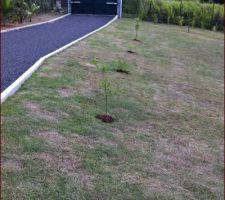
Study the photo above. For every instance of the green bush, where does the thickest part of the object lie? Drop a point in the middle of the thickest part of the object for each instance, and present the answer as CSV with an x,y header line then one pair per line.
x,y
20,10
192,12
31,10
6,9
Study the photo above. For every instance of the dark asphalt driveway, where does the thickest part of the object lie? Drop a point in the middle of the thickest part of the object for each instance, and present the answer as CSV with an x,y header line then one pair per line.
x,y
22,48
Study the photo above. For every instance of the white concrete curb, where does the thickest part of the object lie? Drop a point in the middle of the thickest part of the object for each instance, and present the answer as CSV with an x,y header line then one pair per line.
x,y
22,27
17,84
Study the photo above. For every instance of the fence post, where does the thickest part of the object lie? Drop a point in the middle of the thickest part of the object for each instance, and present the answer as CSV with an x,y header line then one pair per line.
x,y
69,6
120,8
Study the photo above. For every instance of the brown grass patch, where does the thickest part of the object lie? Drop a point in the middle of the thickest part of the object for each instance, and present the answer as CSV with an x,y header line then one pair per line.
x,y
62,156
11,165
91,143
66,92
46,157
51,75
182,153
84,180
54,138
35,109
85,88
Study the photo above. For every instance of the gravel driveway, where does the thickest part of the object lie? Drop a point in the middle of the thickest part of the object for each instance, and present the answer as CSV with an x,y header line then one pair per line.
x,y
22,48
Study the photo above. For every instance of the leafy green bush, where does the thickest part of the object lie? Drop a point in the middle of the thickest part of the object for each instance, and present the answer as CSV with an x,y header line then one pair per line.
x,y
20,9
31,10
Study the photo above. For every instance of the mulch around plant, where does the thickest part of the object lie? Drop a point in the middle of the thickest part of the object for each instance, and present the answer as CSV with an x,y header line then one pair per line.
x,y
122,71
136,40
132,52
106,118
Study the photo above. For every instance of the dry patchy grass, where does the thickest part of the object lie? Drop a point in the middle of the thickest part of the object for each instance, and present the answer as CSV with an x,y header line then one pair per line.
x,y
167,142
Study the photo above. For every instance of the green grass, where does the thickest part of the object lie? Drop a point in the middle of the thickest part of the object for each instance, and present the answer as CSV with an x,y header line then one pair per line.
x,y
166,143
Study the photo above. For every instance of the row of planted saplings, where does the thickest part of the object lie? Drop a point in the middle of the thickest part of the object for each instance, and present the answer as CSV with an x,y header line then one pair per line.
x,y
105,85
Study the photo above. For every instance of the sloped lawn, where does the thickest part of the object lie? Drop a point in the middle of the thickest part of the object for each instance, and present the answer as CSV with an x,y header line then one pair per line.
x,y
166,142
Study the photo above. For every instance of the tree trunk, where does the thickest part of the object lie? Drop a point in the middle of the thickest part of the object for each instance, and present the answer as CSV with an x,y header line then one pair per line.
x,y
21,19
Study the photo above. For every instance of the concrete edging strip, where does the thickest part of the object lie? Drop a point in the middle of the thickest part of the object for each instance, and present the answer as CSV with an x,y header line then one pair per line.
x,y
27,74
27,26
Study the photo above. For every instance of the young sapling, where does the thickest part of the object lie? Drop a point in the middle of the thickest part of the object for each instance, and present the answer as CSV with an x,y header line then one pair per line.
x,y
130,49
137,27
122,67
94,61
105,85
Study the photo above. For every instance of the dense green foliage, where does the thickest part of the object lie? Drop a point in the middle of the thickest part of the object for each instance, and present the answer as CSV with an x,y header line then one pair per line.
x,y
6,8
18,10
192,12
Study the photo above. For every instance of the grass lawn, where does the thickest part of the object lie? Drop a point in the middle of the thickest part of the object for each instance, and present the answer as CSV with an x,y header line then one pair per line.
x,y
166,143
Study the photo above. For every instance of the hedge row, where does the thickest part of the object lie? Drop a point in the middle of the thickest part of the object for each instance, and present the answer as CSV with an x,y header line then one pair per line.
x,y
196,14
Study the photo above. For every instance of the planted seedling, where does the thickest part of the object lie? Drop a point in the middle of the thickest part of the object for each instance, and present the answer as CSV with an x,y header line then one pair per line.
x,y
122,67
180,20
137,27
190,21
130,49
94,61
105,85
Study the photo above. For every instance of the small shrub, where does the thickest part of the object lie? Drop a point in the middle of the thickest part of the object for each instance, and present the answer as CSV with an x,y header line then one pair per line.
x,y
31,10
104,68
94,61
121,66
20,9
180,20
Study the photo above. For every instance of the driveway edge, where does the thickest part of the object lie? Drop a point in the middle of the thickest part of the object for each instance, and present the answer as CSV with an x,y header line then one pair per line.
x,y
37,24
27,74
